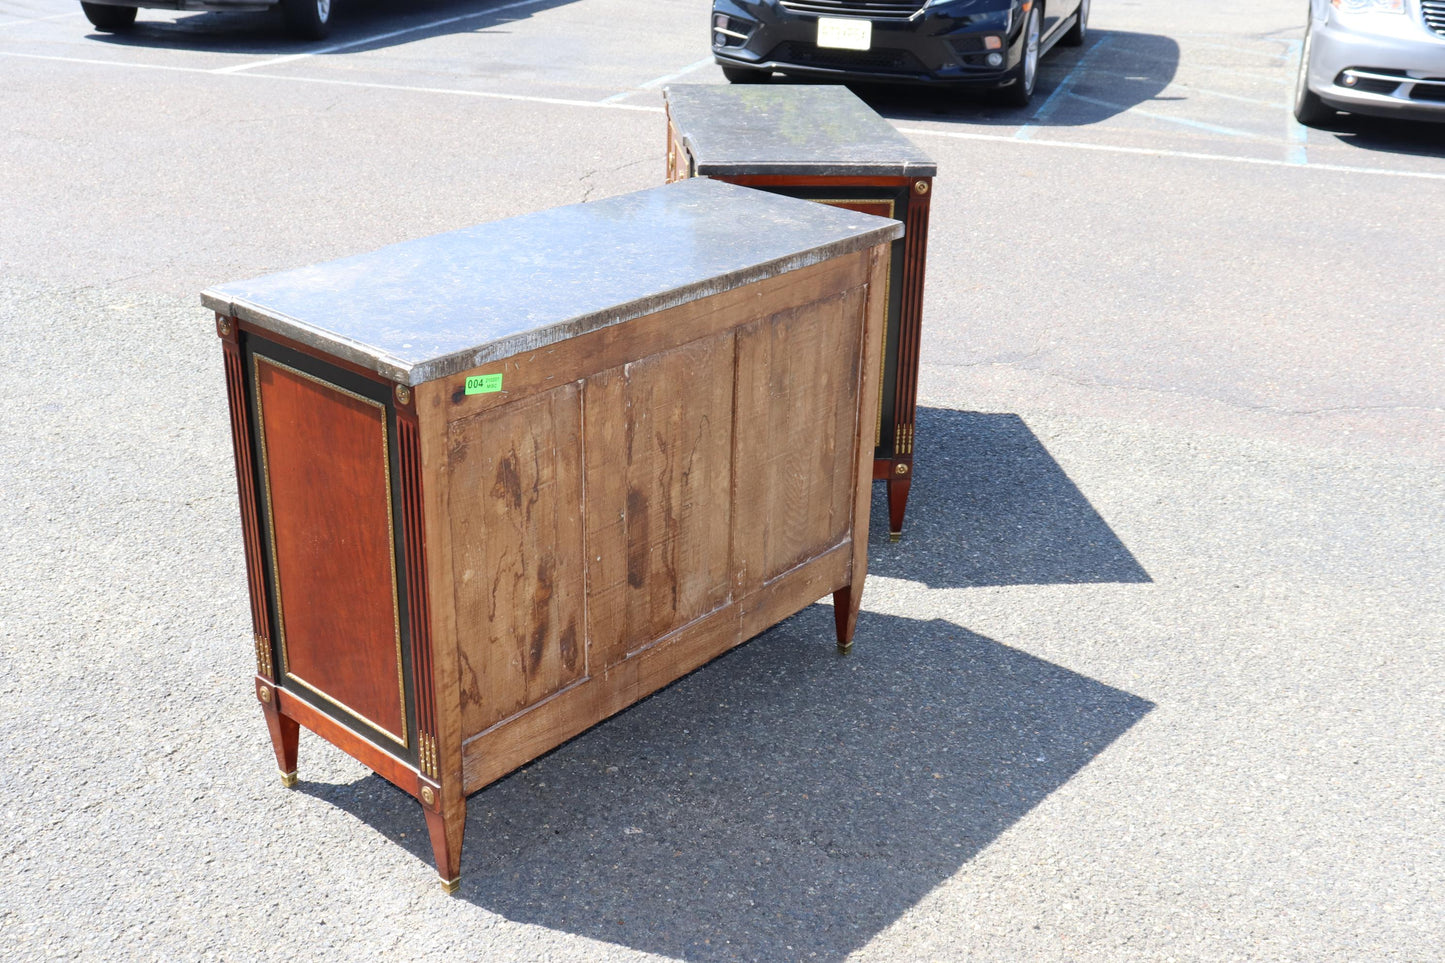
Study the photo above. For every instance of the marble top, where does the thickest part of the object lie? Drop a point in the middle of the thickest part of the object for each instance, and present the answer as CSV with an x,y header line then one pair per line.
x,y
433,307
789,129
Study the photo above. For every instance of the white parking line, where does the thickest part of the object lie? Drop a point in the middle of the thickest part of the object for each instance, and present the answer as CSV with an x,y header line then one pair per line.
x,y
1064,87
377,38
406,88
1183,121
659,81
919,131
1183,155
58,16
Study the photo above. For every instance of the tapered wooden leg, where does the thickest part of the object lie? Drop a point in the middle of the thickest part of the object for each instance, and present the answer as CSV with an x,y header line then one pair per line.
x,y
898,486
845,615
285,735
446,830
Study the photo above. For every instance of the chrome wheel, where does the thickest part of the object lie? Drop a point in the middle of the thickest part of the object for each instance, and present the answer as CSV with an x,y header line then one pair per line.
x,y
1031,53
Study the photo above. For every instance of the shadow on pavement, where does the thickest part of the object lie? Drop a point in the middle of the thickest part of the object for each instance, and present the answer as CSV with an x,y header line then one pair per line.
x,y
265,31
1114,71
990,506
781,803
1383,135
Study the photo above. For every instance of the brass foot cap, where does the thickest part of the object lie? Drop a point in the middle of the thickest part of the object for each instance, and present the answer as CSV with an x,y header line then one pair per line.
x,y
450,886
288,779
845,647
895,536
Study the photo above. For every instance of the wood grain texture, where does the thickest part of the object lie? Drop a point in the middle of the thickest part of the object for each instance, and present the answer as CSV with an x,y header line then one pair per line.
x,y
797,424
875,316
516,538
327,476
433,436
903,332
659,472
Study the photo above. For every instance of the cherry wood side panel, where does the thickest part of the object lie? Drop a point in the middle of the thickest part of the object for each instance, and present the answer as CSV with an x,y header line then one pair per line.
x,y
517,553
659,471
796,435
326,467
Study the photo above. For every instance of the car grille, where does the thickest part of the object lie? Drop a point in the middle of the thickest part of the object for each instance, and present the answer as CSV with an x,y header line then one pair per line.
x,y
872,9
879,59
1434,11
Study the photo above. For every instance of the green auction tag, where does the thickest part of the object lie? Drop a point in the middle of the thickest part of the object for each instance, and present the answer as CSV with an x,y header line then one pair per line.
x,y
482,384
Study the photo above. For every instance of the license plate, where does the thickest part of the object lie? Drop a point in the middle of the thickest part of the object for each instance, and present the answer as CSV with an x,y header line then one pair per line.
x,y
845,34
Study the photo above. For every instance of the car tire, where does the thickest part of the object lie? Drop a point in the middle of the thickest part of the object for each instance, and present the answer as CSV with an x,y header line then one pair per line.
x,y
308,19
110,19
1025,76
1079,32
1309,109
746,75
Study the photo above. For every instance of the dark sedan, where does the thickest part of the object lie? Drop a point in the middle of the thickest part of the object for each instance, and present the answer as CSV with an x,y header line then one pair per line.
x,y
984,43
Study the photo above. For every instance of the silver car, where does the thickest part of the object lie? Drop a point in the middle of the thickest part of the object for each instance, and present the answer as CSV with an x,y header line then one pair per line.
x,y
1382,57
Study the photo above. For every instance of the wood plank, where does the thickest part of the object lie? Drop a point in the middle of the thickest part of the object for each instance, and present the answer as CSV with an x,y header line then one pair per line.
x,y
794,590
658,485
436,499
796,420
517,553
492,754
848,601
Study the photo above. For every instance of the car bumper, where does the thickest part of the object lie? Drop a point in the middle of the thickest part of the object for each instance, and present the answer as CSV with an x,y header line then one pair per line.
x,y
1396,69
939,45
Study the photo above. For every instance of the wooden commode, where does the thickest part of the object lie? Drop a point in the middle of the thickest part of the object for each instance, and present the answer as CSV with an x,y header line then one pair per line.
x,y
499,484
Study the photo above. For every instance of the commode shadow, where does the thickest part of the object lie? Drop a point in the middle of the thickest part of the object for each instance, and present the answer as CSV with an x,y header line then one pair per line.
x,y
990,506
781,803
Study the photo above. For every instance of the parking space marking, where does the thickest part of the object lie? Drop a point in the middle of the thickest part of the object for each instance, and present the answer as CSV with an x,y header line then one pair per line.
x,y
1209,92
658,81
1179,154
1026,131
102,63
57,16
1184,121
453,91
376,38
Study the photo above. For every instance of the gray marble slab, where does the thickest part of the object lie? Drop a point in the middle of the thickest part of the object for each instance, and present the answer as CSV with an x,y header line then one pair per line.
x,y
433,307
789,129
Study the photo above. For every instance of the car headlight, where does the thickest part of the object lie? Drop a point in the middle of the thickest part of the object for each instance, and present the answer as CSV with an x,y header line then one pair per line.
x,y
1369,6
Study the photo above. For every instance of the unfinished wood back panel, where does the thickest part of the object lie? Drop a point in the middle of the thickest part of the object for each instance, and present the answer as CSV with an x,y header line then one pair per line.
x,y
659,486
517,553
603,504
797,401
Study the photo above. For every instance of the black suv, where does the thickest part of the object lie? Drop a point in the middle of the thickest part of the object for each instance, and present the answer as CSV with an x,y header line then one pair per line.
x,y
988,43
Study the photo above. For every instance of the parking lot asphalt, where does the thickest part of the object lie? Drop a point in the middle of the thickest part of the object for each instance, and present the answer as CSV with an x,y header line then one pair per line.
x,y
1155,672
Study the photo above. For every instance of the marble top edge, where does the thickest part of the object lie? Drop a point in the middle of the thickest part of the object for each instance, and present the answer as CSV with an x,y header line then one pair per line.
x,y
433,307
790,129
